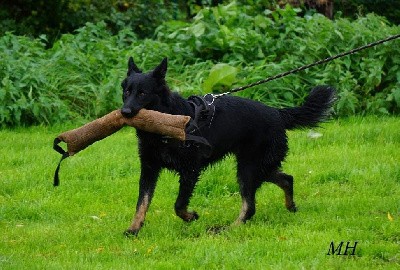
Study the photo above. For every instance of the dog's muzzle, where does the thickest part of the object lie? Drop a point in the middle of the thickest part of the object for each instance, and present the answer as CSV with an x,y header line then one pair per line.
x,y
127,112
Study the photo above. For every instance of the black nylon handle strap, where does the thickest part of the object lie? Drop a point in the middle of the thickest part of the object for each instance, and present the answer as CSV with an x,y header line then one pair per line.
x,y
56,180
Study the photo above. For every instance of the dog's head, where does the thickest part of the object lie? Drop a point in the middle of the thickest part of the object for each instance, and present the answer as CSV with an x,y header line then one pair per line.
x,y
144,90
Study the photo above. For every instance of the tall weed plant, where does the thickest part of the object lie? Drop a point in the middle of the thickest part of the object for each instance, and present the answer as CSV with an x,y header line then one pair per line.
x,y
79,77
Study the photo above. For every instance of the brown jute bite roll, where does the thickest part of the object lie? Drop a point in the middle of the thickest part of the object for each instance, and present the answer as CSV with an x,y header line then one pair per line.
x,y
151,121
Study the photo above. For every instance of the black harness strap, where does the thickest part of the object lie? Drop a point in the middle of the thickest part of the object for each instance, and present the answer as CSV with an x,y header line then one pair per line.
x,y
64,156
204,111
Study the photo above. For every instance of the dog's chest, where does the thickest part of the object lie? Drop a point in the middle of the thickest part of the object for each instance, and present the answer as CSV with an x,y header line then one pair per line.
x,y
171,155
178,158
168,157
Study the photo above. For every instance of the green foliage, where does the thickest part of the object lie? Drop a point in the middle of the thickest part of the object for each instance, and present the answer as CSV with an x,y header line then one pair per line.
x,y
222,47
56,17
278,41
21,82
220,74
49,86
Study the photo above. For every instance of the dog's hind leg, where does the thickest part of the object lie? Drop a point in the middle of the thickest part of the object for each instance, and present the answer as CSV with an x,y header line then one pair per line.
x,y
187,182
147,184
285,182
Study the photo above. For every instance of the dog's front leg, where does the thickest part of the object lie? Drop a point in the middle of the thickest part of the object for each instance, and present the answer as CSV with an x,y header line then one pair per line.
x,y
187,182
147,184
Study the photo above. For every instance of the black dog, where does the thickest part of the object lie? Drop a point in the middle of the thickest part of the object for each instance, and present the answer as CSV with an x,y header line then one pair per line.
x,y
253,132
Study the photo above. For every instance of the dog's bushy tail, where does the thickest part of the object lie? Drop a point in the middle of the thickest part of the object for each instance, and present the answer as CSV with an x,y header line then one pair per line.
x,y
314,110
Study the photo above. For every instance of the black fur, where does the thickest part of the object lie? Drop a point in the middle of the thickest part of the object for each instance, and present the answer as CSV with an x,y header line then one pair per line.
x,y
253,132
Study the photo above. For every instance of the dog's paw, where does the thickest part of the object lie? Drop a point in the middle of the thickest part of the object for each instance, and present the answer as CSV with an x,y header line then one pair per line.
x,y
187,216
292,208
190,216
194,216
131,233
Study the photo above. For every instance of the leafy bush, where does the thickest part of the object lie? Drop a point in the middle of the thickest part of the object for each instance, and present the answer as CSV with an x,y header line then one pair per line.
x,y
278,41
52,18
48,86
57,17
222,47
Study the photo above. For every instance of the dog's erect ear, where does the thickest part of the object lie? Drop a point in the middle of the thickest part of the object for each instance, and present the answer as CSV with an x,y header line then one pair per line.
x,y
132,68
161,70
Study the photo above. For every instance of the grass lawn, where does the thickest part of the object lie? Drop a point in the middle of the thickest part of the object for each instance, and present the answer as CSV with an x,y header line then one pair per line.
x,y
347,188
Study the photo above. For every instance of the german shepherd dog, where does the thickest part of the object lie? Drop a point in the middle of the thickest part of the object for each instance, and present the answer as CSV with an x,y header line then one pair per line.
x,y
252,131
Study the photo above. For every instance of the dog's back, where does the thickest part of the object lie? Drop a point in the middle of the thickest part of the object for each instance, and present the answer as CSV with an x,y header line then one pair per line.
x,y
245,128
248,128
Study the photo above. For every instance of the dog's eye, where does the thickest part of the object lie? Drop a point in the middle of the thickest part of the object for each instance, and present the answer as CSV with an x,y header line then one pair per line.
x,y
141,94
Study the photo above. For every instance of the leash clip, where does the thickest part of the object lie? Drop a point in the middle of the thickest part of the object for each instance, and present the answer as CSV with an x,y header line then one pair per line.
x,y
212,96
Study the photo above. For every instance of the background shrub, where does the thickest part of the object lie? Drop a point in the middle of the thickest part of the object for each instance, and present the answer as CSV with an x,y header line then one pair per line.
x,y
80,75
56,17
